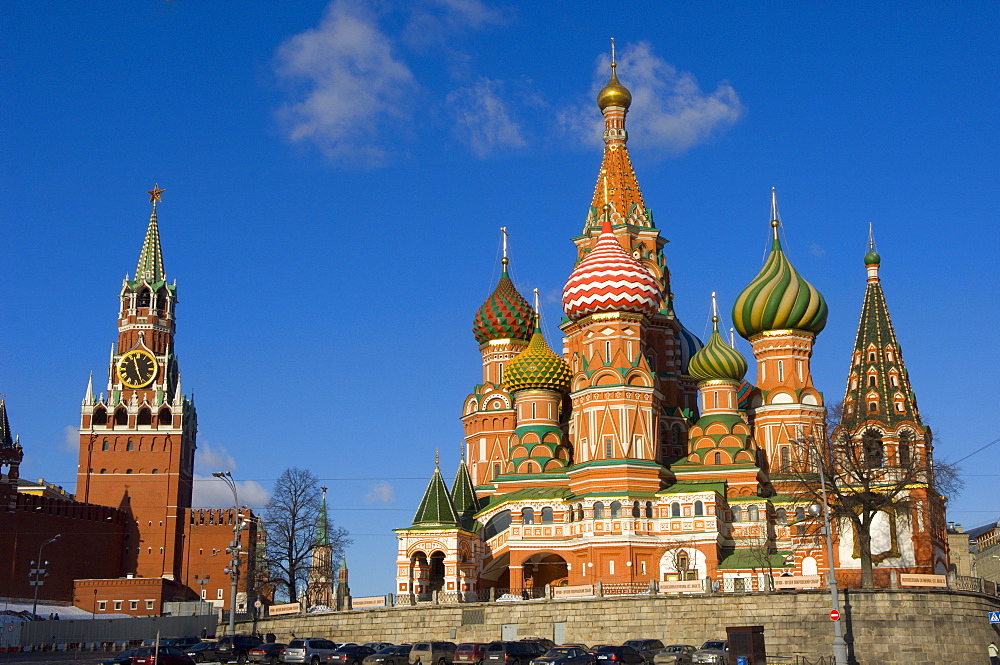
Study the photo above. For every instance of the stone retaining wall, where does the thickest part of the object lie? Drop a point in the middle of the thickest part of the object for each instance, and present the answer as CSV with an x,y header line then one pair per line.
x,y
882,627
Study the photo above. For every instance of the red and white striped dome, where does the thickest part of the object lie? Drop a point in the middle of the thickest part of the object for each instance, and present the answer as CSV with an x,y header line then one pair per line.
x,y
609,280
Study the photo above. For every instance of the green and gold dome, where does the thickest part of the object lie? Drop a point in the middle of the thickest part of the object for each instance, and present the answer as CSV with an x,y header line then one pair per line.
x,y
717,360
504,315
779,298
537,367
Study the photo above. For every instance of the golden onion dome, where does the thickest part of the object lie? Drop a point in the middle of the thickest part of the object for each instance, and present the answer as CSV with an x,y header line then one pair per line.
x,y
614,93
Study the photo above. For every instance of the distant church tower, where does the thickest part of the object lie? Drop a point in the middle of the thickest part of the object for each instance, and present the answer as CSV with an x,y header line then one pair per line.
x,y
343,589
319,590
137,440
880,416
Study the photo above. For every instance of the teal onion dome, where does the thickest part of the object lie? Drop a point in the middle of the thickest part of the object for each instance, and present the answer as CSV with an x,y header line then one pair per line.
x,y
504,315
537,367
717,360
779,298
688,345
872,258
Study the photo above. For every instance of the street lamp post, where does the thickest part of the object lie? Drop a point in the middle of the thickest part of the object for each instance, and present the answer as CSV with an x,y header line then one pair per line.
x,y
839,645
233,569
38,570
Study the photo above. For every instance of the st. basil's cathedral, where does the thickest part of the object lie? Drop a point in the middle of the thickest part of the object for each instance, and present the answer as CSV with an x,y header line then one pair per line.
x,y
640,454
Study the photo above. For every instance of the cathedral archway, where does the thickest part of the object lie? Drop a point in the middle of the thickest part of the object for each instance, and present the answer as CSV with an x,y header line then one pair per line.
x,y
435,577
545,568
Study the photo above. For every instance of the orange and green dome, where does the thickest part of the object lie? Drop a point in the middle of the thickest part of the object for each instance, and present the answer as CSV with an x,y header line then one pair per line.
x,y
779,298
504,315
717,360
537,367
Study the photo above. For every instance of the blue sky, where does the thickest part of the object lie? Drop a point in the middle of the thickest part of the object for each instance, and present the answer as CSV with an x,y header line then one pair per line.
x,y
336,174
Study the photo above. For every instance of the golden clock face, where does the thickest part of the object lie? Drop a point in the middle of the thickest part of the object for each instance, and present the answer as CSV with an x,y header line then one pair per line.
x,y
137,368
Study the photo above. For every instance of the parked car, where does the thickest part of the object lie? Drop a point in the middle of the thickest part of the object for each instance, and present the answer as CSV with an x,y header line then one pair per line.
x,y
470,652
513,653
181,643
309,650
352,654
203,652
164,656
565,656
675,654
619,655
390,656
378,646
647,648
715,652
269,652
544,641
124,658
235,647
433,653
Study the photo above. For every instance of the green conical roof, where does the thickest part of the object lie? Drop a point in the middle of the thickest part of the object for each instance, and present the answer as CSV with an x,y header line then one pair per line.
x,y
537,367
463,497
779,298
717,360
150,268
6,438
436,508
323,524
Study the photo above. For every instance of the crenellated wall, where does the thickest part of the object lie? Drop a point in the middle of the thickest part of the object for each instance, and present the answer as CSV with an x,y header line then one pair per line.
x,y
882,627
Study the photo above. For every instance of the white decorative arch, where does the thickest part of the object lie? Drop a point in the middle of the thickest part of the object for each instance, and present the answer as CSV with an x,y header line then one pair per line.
x,y
782,398
809,566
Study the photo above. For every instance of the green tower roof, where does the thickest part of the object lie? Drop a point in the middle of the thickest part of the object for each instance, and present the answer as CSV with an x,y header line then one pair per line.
x,y
323,524
436,508
717,360
463,497
150,267
537,367
504,315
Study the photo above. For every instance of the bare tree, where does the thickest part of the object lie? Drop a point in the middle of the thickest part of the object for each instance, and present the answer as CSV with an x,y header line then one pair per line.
x,y
290,519
863,479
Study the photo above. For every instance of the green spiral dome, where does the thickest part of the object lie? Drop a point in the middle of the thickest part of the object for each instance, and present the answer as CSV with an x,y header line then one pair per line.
x,y
504,315
537,367
717,360
779,298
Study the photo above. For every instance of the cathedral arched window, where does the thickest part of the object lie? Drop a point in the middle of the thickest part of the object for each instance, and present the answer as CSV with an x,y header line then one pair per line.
x,y
104,470
649,509
718,458
781,517
130,446
121,416
636,509
546,515
754,514
873,449
737,514
142,300
871,381
699,508
165,418
786,460
616,509
675,509
599,510
128,470
527,516
100,416
105,445
905,443
145,417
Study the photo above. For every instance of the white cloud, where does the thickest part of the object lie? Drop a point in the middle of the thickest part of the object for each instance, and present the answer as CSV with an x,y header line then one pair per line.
x,y
212,492
816,250
213,459
432,22
71,439
481,118
351,85
669,111
381,493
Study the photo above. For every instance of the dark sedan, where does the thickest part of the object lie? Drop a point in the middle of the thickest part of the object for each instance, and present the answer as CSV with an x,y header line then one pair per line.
x,y
267,653
390,656
203,652
350,655
164,656
619,655
565,656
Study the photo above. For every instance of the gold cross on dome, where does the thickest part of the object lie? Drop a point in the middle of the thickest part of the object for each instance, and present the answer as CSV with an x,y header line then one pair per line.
x,y
154,194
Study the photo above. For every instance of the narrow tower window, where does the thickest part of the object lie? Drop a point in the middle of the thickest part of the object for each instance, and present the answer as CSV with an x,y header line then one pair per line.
x,y
781,370
609,447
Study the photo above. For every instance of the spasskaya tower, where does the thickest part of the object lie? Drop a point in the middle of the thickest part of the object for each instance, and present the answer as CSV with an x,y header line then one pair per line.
x,y
137,440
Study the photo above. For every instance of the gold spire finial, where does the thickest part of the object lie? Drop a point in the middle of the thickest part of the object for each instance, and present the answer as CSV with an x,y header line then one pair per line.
x,y
154,194
614,93
437,459
504,261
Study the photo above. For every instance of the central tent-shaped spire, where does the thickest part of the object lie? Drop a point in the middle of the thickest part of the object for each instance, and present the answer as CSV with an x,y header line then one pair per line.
x,y
150,267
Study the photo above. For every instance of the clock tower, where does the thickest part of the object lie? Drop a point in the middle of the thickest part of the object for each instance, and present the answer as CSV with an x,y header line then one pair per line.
x,y
137,440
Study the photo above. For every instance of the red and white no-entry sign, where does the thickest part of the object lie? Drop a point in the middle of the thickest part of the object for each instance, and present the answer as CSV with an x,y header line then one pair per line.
x,y
834,615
